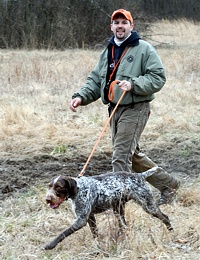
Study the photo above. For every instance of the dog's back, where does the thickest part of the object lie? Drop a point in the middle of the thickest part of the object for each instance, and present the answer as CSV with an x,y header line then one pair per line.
x,y
106,189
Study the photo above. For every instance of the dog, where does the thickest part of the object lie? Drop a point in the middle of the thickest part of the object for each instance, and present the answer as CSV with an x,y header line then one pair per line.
x,y
96,194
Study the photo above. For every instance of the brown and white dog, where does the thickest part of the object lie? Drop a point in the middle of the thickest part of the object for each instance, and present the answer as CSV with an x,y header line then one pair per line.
x,y
91,195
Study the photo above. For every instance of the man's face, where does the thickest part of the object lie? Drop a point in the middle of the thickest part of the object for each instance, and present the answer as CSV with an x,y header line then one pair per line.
x,y
121,28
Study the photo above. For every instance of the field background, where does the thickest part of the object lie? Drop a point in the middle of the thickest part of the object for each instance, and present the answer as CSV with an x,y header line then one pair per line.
x,y
41,138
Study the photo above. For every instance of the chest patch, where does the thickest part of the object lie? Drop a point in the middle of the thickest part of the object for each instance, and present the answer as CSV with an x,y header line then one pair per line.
x,y
130,58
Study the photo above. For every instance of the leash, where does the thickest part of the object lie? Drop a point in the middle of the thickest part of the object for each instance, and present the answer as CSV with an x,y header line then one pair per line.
x,y
108,121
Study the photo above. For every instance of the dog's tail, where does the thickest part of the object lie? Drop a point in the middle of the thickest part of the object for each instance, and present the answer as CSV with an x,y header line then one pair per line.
x,y
150,172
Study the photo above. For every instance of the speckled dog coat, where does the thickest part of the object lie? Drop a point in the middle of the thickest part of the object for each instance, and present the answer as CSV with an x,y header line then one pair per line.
x,y
91,195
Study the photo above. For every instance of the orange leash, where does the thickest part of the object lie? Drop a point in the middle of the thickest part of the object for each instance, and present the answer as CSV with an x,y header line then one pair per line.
x,y
108,121
111,90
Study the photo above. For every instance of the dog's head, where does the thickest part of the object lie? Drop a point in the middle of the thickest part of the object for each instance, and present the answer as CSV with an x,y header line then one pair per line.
x,y
60,189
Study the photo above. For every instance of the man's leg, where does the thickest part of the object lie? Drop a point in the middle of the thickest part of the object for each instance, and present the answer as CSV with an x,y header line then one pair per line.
x,y
140,162
127,125
163,181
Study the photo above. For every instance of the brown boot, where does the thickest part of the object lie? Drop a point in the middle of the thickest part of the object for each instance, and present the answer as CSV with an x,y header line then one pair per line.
x,y
141,163
163,181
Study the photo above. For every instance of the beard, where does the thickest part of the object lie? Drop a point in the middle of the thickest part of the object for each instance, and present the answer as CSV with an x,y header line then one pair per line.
x,y
120,35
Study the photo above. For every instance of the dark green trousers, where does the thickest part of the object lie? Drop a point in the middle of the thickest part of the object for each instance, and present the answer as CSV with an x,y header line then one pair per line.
x,y
127,125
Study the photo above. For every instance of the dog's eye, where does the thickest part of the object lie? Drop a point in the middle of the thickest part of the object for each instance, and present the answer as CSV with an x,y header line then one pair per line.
x,y
58,190
50,185
59,193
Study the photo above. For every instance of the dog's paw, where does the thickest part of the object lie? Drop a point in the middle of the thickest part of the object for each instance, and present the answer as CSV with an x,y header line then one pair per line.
x,y
170,228
49,246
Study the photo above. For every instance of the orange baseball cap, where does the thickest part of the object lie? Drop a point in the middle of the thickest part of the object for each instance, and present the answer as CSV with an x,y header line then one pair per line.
x,y
123,12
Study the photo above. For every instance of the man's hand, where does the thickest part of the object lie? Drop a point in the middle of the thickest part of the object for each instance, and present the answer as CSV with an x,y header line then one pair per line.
x,y
124,85
76,102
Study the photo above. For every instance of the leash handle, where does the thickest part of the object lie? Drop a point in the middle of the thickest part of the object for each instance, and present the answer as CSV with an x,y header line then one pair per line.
x,y
111,90
102,132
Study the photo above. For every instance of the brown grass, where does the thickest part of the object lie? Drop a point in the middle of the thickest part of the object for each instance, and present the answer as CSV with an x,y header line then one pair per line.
x,y
36,88
27,224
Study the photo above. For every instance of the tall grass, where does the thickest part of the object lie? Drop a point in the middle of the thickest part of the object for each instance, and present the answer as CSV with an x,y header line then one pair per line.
x,y
36,88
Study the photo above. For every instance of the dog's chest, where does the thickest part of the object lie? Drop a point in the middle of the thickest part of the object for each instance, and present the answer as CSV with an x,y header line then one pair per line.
x,y
73,206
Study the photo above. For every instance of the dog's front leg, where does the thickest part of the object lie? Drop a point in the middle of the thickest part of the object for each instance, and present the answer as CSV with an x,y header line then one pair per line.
x,y
80,222
119,212
93,226
59,238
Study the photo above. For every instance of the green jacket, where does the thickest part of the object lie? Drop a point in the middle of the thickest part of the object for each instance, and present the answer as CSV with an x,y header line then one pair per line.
x,y
141,65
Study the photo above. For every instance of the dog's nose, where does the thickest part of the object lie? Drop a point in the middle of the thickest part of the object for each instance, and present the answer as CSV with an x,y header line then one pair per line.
x,y
48,199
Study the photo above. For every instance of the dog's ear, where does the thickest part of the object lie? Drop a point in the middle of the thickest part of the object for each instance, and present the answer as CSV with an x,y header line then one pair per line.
x,y
71,186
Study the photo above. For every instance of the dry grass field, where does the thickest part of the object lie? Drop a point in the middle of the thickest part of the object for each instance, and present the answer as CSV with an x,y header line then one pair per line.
x,y
42,138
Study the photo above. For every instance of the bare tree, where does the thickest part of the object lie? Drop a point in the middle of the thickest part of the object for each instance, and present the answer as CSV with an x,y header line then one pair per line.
x,y
79,23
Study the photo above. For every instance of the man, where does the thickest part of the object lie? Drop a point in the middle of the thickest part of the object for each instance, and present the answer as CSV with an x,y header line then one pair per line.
x,y
137,69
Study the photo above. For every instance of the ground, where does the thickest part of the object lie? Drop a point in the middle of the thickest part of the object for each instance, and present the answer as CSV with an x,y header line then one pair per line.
x,y
18,175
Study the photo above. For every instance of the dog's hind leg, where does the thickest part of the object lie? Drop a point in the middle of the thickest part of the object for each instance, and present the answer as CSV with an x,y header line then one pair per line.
x,y
93,226
146,200
155,211
164,218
